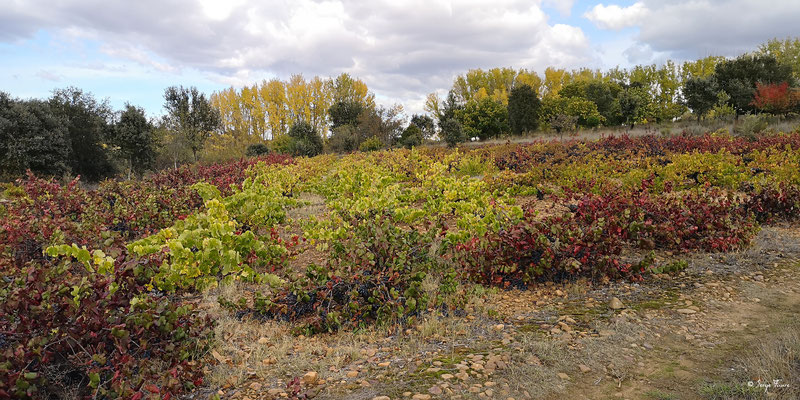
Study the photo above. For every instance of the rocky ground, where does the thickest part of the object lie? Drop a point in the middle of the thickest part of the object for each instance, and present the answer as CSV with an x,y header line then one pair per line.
x,y
706,333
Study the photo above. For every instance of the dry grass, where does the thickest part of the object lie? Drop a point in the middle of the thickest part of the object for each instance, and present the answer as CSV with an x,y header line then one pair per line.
x,y
775,357
267,351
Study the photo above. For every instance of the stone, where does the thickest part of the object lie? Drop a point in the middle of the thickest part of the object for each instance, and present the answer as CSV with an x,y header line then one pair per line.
x,y
381,398
563,376
435,390
499,327
584,368
447,377
263,340
615,304
420,396
687,311
384,364
352,374
310,378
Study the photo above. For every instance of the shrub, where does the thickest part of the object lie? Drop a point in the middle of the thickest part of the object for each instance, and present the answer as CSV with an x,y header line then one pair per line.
x,y
751,126
282,144
371,144
587,241
257,149
343,139
73,323
563,123
412,136
374,276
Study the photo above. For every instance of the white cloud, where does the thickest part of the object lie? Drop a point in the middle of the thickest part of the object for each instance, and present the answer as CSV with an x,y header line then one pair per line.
x,y
401,49
563,6
615,17
696,28
49,75
688,29
639,54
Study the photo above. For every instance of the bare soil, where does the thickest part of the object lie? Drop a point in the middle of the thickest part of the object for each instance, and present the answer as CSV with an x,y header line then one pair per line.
x,y
727,320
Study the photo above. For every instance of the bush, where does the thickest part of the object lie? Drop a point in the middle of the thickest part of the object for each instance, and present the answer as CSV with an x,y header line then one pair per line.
x,y
563,123
588,240
282,144
258,149
307,148
374,275
412,136
751,126
78,325
343,139
371,144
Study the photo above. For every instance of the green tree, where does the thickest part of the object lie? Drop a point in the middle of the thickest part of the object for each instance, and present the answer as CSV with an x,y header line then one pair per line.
x,y
345,112
523,109
385,123
700,95
484,119
133,134
32,137
411,136
786,51
450,107
584,111
88,129
632,102
306,141
702,68
425,124
665,93
452,132
602,93
738,78
191,115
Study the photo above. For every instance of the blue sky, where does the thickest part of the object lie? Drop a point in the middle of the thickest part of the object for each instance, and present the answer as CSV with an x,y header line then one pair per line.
x,y
132,51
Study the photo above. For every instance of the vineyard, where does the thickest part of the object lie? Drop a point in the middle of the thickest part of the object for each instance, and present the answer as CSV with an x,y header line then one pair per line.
x,y
99,287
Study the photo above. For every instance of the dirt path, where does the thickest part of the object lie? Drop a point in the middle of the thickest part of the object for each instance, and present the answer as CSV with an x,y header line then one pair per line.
x,y
703,334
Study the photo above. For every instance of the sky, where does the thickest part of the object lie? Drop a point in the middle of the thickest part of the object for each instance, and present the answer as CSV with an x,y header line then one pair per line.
x,y
130,51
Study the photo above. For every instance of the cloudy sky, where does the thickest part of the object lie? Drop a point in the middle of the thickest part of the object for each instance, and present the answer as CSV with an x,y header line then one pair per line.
x,y
132,50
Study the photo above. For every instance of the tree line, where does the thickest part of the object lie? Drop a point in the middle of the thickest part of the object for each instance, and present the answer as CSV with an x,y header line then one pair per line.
x,y
489,103
74,133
